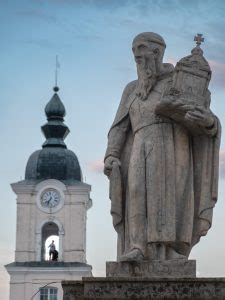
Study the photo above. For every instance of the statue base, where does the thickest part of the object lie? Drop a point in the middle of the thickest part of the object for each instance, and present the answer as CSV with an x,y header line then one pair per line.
x,y
179,268
113,288
147,280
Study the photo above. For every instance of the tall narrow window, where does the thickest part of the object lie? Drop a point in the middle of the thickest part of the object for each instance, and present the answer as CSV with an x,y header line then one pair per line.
x,y
49,230
48,293
48,242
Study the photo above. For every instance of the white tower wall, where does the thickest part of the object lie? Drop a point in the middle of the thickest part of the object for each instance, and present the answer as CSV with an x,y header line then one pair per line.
x,y
29,272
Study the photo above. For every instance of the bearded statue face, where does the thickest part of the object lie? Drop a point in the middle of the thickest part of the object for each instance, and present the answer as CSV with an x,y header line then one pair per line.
x,y
148,57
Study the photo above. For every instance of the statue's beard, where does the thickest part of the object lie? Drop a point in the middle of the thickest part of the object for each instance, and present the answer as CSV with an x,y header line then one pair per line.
x,y
146,71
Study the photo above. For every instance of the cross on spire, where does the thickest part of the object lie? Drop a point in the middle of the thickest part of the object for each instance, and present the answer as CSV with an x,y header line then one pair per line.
x,y
57,66
199,39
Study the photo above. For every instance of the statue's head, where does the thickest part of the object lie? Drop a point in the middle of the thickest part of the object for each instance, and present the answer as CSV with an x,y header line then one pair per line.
x,y
148,45
148,49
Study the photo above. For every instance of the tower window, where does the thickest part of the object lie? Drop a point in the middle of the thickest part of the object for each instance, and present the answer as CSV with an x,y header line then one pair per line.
x,y
50,232
48,242
48,293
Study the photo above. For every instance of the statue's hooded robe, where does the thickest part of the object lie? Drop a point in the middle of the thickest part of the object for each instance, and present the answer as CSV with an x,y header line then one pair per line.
x,y
190,161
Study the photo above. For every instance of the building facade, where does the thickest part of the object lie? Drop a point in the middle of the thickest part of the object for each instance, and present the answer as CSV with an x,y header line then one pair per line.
x,y
52,201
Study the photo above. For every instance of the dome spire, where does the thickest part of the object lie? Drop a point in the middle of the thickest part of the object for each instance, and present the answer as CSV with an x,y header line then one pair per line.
x,y
54,160
55,130
57,66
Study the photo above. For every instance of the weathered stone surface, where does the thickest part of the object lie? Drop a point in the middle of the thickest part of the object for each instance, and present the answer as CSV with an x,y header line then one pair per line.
x,y
179,268
162,155
145,289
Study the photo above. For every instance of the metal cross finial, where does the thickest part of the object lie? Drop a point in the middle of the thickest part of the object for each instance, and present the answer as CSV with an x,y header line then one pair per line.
x,y
57,66
199,39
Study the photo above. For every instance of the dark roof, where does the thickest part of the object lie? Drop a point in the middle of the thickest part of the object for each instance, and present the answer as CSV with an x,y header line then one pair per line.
x,y
55,108
54,161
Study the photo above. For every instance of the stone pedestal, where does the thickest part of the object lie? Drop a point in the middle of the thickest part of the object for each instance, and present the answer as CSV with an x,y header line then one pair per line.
x,y
147,280
180,268
145,289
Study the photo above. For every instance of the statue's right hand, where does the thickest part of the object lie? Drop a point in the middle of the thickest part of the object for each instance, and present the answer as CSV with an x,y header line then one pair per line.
x,y
110,160
170,105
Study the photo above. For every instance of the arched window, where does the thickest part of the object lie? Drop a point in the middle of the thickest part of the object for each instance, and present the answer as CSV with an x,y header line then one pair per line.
x,y
48,230
48,293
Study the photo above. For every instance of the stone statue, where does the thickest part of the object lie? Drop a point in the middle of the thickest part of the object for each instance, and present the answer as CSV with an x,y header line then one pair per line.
x,y
162,155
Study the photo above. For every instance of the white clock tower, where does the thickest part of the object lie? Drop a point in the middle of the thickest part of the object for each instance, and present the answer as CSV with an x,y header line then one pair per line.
x,y
52,202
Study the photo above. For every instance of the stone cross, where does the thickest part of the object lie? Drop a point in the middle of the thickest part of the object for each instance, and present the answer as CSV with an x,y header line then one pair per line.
x,y
199,39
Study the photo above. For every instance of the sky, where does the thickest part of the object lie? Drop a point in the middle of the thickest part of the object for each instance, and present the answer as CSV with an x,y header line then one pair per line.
x,y
92,39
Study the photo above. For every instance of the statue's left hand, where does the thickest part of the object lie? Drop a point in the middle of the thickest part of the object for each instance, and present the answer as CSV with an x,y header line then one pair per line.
x,y
201,117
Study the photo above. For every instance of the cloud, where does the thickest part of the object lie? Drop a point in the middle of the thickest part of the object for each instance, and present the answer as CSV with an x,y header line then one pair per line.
x,y
102,4
38,14
45,43
222,163
217,67
89,37
218,73
126,70
96,166
7,256
82,31
171,60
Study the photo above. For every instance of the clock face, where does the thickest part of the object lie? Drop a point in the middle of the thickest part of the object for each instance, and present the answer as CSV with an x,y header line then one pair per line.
x,y
50,198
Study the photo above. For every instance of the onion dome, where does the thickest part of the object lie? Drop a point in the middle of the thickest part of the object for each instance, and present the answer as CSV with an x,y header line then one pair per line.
x,y
54,160
55,108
